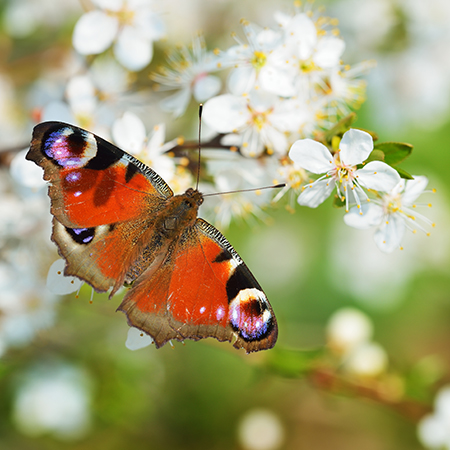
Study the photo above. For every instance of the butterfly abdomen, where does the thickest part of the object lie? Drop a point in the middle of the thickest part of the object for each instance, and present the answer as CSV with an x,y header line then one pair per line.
x,y
179,213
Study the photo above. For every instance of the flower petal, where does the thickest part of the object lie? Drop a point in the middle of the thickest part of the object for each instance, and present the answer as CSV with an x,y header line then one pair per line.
x,y
302,30
267,38
372,216
377,175
111,5
328,52
277,81
241,80
129,133
316,193
289,115
137,339
275,140
311,155
24,173
390,234
176,103
206,87
432,431
414,188
226,113
80,93
94,32
60,284
252,143
58,111
149,24
355,147
156,140
133,50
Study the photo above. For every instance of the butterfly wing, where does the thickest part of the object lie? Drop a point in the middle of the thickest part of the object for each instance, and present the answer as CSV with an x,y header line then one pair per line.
x,y
201,288
103,200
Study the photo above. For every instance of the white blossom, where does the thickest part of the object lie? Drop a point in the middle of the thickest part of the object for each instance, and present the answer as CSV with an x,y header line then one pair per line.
x,y
130,135
261,429
131,24
232,172
257,63
392,214
340,170
54,399
348,328
434,428
189,73
255,122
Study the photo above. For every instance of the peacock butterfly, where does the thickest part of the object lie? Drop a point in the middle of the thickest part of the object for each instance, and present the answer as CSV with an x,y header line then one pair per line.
x,y
116,221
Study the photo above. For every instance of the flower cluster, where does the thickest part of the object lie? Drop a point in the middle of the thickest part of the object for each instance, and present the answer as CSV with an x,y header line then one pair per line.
x,y
434,428
285,83
274,115
285,86
349,334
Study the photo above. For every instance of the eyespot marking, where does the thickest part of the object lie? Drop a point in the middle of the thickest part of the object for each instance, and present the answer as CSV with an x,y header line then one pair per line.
x,y
70,147
250,315
81,235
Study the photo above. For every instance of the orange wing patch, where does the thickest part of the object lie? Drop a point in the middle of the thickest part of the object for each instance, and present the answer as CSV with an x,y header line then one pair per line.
x,y
201,288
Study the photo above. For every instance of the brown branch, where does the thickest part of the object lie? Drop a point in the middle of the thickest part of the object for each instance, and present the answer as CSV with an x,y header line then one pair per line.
x,y
376,390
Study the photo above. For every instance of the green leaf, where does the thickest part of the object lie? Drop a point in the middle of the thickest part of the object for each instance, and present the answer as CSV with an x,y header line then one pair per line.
x,y
376,155
340,128
404,174
394,152
293,363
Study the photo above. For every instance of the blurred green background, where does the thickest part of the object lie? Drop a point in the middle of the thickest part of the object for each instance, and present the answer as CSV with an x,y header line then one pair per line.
x,y
207,395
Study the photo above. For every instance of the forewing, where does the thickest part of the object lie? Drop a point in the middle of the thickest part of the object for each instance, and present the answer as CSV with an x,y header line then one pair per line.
x,y
103,200
92,182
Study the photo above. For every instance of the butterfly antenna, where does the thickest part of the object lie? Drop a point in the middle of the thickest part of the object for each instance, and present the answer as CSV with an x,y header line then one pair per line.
x,y
200,110
275,186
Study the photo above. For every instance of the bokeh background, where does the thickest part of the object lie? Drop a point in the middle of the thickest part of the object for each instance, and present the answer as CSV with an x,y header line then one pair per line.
x,y
67,379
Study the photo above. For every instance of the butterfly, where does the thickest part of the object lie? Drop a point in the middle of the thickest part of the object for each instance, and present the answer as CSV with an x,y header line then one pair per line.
x,y
116,222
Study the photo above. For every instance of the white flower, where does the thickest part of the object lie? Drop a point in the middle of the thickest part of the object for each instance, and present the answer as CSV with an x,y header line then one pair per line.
x,y
258,121
349,334
232,172
341,169
368,359
392,213
258,62
25,251
310,46
130,135
82,107
434,429
130,23
261,429
293,176
189,72
341,90
348,328
54,399
308,51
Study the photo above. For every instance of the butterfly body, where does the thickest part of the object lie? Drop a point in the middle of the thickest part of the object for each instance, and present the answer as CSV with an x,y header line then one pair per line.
x,y
116,221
